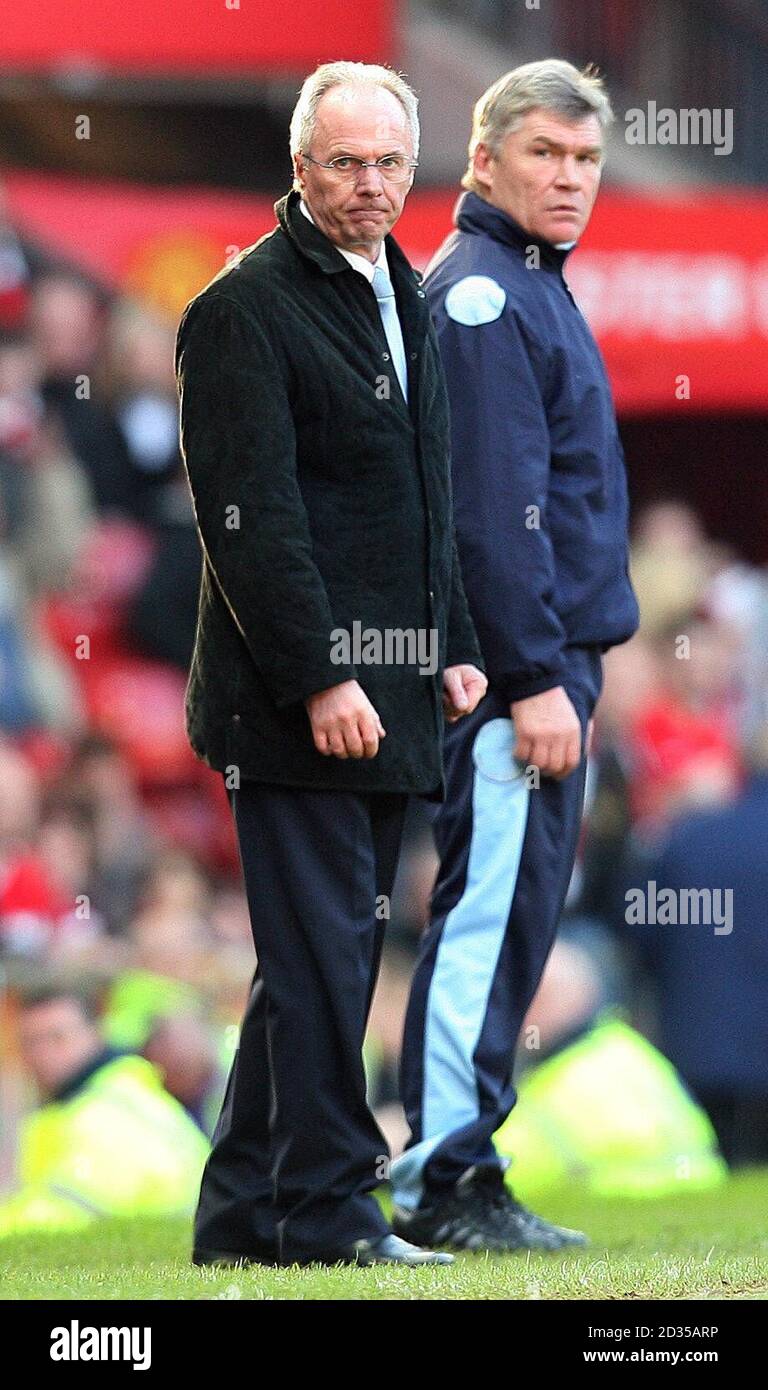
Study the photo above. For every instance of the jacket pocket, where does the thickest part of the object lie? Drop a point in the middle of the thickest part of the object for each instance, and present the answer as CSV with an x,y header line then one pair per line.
x,y
234,721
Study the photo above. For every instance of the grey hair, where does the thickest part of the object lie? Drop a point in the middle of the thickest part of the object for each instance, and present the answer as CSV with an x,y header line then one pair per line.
x,y
339,74
549,85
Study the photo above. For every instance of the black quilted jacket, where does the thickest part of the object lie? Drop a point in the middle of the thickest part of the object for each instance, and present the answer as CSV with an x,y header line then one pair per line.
x,y
322,502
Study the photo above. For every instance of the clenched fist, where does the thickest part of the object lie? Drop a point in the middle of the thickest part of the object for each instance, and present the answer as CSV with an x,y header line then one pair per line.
x,y
548,732
463,689
344,722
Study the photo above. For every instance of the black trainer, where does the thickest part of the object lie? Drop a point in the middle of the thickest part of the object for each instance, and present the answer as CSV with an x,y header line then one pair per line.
x,y
480,1213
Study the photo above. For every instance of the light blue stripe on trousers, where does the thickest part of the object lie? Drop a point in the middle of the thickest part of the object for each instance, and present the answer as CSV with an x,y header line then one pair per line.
x,y
468,952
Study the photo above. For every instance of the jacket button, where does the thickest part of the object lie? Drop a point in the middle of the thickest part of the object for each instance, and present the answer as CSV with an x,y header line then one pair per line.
x,y
422,294
414,355
235,718
385,356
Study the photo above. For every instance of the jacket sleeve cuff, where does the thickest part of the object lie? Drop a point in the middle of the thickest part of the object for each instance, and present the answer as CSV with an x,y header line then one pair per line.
x,y
311,684
465,654
514,688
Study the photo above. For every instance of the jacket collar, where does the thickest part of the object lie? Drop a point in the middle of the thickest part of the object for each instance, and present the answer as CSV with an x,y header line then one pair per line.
x,y
476,215
78,1079
357,262
306,237
311,242
412,305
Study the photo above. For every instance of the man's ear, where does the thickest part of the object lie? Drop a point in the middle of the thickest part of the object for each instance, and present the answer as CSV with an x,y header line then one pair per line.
x,y
298,170
481,160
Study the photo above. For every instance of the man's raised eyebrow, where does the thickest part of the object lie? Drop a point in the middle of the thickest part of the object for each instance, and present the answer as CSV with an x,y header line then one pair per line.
x,y
347,154
555,145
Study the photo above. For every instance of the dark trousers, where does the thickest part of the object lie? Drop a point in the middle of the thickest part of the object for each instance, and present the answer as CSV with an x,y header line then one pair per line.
x,y
296,1151
506,852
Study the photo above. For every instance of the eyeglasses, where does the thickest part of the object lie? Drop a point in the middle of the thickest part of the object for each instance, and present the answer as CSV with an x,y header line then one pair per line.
x,y
395,168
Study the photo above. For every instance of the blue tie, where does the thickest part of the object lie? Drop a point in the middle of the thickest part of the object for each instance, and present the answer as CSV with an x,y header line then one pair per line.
x,y
385,295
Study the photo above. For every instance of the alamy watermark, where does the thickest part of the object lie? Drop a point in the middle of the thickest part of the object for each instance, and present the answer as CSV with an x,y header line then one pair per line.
x,y
77,1342
664,907
656,125
388,646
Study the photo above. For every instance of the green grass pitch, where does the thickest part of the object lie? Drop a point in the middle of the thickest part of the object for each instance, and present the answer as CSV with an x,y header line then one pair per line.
x,y
707,1245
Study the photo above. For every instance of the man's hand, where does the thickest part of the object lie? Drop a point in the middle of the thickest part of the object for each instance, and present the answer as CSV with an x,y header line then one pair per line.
x,y
344,722
463,689
548,733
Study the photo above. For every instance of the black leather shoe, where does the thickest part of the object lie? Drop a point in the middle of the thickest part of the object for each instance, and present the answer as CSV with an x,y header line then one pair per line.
x,y
387,1250
226,1259
480,1213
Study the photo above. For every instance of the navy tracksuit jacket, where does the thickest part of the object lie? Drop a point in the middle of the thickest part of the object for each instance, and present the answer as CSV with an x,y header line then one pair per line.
x,y
540,506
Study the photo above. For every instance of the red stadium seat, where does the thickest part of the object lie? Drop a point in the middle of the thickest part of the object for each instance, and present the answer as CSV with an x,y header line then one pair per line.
x,y
140,705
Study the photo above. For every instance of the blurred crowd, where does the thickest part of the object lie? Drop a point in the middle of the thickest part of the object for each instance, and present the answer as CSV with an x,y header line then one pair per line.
x,y
124,932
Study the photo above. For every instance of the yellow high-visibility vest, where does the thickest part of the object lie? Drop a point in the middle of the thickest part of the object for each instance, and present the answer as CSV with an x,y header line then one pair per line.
x,y
120,1146
608,1112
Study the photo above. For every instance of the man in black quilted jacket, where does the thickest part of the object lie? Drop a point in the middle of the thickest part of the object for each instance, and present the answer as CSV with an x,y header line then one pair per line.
x,y
333,639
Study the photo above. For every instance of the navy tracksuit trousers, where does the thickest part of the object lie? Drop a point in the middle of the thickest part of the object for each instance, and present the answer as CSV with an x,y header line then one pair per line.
x,y
296,1151
506,855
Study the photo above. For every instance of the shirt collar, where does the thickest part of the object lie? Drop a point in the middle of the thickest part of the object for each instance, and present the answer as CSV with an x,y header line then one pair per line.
x,y
360,263
475,214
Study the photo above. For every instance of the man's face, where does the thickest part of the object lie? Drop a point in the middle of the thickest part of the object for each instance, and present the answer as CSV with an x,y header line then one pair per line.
x,y
367,123
55,1041
546,174
65,324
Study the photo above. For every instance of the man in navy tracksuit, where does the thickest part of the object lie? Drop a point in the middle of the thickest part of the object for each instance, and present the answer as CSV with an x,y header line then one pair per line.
x,y
540,503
